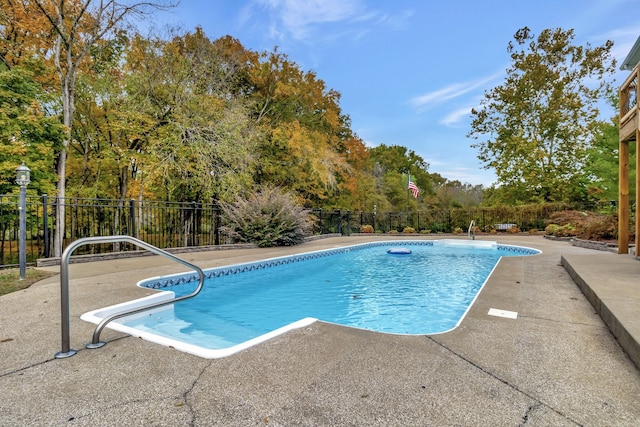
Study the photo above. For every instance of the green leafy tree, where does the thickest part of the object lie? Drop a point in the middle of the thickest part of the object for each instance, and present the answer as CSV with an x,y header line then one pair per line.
x,y
27,134
104,139
200,139
391,164
602,165
537,126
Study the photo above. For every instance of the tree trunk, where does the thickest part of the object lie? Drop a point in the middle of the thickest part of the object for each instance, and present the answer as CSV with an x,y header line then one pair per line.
x,y
58,237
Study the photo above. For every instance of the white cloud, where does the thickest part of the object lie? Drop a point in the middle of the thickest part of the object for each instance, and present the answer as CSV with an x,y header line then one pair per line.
x,y
466,174
423,102
456,116
297,18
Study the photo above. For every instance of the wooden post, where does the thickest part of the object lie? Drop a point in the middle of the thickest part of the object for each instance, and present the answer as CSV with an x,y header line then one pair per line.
x,y
623,197
637,248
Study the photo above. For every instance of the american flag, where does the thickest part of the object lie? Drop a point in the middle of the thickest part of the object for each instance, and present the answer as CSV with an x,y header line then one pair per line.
x,y
413,187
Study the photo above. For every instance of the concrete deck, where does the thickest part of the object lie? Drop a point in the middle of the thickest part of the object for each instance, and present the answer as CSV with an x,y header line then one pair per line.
x,y
557,364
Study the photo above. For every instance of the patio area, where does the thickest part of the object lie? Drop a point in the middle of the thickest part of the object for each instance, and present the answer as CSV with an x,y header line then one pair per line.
x,y
557,364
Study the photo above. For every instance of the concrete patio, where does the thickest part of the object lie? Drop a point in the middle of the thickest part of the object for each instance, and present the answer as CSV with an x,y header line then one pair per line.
x,y
557,364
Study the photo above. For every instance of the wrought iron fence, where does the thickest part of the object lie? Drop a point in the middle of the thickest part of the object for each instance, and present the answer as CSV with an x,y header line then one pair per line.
x,y
173,225
9,229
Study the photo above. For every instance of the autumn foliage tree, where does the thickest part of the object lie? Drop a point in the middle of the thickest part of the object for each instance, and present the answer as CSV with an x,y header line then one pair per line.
x,y
76,26
304,148
102,111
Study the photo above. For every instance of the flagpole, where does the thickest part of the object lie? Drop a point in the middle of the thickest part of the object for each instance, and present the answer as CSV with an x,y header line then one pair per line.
x,y
406,191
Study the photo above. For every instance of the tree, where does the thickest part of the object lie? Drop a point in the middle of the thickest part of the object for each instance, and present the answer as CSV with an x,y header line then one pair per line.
x,y
196,139
26,132
305,148
77,27
602,164
24,33
391,164
540,122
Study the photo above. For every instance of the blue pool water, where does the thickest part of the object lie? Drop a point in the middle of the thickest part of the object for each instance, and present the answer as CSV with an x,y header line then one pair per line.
x,y
425,292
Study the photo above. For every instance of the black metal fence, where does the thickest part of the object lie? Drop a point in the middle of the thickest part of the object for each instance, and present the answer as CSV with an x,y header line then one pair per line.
x,y
173,225
162,224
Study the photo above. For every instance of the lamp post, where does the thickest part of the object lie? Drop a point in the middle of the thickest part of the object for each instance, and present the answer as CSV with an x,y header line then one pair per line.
x,y
23,173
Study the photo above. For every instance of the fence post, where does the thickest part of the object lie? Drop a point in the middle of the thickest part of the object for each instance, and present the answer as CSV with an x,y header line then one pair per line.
x,y
348,223
132,218
45,225
216,209
194,210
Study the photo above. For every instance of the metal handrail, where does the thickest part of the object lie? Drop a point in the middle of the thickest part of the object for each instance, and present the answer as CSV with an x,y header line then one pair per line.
x,y
67,351
472,231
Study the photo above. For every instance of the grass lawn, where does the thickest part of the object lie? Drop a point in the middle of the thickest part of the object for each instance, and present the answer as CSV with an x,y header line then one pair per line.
x,y
10,279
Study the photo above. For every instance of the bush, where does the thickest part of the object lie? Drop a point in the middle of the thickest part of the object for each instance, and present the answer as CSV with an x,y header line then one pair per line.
x,y
602,227
458,230
269,217
513,230
556,230
584,225
366,228
409,230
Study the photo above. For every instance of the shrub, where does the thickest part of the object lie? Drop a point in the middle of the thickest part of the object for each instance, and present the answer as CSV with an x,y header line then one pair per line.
x,y
457,230
556,230
513,230
409,230
366,228
602,227
269,217
585,225
425,231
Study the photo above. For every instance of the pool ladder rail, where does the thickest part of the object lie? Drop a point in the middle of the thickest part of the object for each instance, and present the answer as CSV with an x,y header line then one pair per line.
x,y
472,230
64,289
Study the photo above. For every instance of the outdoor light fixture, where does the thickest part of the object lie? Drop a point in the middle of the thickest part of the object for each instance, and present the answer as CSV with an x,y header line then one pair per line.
x,y
23,175
23,179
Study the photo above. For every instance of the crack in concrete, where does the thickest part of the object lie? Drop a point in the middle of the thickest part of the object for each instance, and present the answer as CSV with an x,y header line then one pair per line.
x,y
505,382
185,395
546,319
525,417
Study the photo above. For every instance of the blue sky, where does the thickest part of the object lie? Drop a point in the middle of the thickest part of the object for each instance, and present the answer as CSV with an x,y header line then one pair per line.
x,y
409,71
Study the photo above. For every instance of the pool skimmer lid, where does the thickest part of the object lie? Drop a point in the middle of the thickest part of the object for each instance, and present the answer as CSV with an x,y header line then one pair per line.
x,y
503,313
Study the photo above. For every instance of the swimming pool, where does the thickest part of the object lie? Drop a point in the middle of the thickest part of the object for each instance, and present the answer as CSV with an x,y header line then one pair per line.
x,y
426,288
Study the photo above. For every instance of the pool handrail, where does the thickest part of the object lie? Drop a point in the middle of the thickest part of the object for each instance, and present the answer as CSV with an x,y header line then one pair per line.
x,y
67,351
472,230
